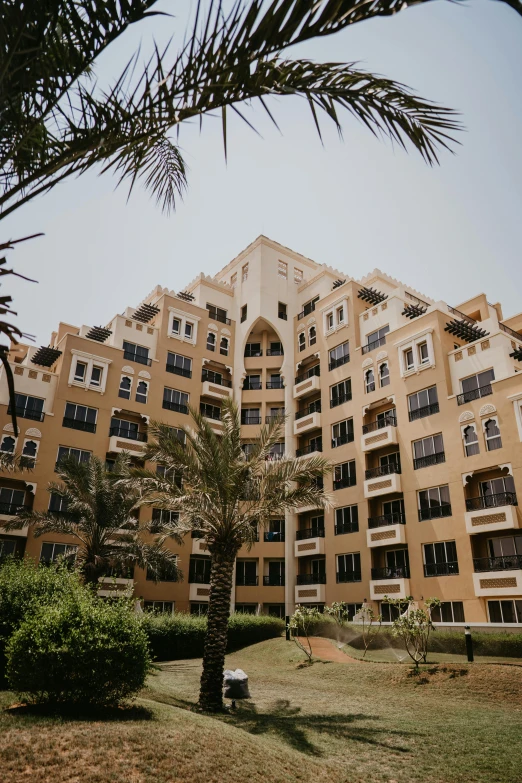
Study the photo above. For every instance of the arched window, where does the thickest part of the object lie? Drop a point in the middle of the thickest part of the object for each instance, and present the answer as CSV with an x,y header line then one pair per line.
x,y
492,432
384,374
8,444
125,387
29,452
369,381
312,335
223,346
211,341
471,444
142,390
302,341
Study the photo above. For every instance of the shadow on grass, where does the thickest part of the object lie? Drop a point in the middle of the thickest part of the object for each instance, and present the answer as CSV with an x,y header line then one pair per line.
x,y
295,728
74,712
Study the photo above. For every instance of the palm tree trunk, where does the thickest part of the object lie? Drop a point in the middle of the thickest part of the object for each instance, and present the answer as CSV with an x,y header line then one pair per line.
x,y
211,686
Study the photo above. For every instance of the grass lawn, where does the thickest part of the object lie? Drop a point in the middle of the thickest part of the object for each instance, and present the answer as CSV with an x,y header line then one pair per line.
x,y
331,723
390,655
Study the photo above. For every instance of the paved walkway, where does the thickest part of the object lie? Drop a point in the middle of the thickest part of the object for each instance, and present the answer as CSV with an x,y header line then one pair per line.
x,y
328,651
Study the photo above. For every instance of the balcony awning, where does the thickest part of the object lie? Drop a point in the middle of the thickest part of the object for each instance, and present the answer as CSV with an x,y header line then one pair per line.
x,y
145,313
186,296
413,311
371,296
45,356
517,354
465,331
98,333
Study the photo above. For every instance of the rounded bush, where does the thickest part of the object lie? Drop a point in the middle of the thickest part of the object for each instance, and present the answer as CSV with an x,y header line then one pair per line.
x,y
81,651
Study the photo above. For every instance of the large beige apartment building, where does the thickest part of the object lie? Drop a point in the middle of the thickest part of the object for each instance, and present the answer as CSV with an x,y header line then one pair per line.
x,y
418,406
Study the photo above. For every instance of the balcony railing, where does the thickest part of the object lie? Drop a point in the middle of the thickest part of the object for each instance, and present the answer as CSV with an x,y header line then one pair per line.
x,y
340,440
426,410
309,532
251,419
510,331
275,384
26,413
252,385
505,563
183,371
308,449
273,535
272,417
399,572
395,518
274,581
199,579
174,406
283,315
335,401
217,378
11,509
382,470
310,579
253,353
134,357
430,459
386,421
315,370
315,407
122,432
339,362
76,424
492,501
218,317
346,527
474,394
435,512
247,581
441,569
467,318
209,412
274,352
374,344
342,483
348,576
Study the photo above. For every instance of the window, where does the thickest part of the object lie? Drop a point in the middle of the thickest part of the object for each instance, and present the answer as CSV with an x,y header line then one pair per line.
x,y
136,353
339,355
29,452
244,273
282,269
277,451
309,307
301,339
340,315
8,444
164,516
211,341
217,313
448,612
490,490
233,280
329,321
250,416
174,400
252,382
142,391
397,565
408,359
28,407
282,311
199,570
179,365
377,338
391,612
312,335
340,392
276,610
275,382
386,418
346,520
342,433
440,559
58,504
276,349
423,403
199,609
244,311
11,500
71,453
509,611
344,475
384,374
492,435
79,417
349,567
471,444
176,326
125,387
387,460
223,346
7,547
50,553
246,572
423,352
276,530
183,326
298,276
159,607
393,511
246,608
210,411
80,371
125,429
476,386
253,350
434,503
369,381
428,451
189,330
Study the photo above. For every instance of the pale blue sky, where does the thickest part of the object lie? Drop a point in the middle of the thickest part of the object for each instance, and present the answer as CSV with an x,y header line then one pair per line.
x,y
450,231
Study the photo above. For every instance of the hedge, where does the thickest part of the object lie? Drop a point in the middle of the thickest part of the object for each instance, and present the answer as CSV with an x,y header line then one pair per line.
x,y
172,637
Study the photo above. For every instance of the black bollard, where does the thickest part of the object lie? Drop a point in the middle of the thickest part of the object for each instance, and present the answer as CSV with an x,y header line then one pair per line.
x,y
288,632
469,643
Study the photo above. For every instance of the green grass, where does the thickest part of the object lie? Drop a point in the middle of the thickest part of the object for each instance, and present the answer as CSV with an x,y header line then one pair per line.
x,y
390,655
329,723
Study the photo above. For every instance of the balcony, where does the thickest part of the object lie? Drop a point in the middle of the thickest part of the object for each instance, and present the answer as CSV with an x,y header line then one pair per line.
x,y
441,569
385,530
199,546
380,433
274,417
308,383
310,579
274,352
175,370
217,316
309,542
76,424
12,509
252,353
249,385
134,357
313,448
174,406
250,419
247,581
374,344
274,581
435,512
273,535
347,576
199,590
26,413
311,592
115,586
489,579
429,460
341,440
216,389
382,480
275,384
339,361
490,513
426,410
126,440
394,582
474,394
343,483
306,420
335,401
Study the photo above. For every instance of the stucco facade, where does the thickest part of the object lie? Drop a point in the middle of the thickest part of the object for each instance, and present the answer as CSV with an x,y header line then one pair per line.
x,y
417,405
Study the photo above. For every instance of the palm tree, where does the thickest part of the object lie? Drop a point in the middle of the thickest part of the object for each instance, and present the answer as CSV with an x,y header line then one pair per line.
x,y
225,496
101,514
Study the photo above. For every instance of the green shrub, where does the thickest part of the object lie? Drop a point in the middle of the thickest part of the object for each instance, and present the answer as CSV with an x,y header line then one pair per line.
x,y
23,588
82,650
177,636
